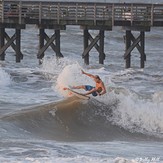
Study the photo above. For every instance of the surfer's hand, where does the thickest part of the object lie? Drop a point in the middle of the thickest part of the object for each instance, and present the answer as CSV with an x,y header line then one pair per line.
x,y
82,72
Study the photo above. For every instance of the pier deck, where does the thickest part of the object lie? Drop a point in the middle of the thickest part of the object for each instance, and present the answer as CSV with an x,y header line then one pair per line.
x,y
80,13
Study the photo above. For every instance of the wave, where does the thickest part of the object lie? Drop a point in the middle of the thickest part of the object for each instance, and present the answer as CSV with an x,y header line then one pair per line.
x,y
73,120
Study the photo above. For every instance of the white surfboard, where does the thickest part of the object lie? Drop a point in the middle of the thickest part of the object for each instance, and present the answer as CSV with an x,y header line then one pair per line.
x,y
80,95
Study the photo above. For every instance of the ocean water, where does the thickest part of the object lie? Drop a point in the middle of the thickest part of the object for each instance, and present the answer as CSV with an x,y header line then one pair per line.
x,y
39,123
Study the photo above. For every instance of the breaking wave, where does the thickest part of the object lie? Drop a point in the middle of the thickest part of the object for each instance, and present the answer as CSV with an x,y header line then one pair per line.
x,y
120,114
76,120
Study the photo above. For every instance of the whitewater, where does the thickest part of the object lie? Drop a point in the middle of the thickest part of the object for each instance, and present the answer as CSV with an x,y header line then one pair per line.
x,y
40,123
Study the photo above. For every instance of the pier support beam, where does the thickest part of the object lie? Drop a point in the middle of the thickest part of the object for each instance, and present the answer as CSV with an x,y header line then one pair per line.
x,y
128,44
101,48
49,42
10,42
2,43
18,46
96,42
142,44
132,42
57,43
86,41
41,42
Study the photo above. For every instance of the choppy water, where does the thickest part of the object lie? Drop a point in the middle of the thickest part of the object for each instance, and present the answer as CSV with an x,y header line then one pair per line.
x,y
39,124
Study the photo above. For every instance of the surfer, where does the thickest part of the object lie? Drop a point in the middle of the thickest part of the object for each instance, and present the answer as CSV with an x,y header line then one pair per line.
x,y
97,90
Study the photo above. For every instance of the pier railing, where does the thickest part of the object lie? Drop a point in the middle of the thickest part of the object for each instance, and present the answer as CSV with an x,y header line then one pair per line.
x,y
79,13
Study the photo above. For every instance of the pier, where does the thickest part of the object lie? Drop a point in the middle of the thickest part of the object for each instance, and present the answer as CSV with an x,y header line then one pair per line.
x,y
140,17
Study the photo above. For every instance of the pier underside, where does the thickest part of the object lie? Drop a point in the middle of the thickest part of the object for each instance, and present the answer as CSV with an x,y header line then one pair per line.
x,y
101,17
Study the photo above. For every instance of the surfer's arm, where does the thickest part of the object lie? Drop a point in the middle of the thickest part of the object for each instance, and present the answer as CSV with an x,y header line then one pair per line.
x,y
90,75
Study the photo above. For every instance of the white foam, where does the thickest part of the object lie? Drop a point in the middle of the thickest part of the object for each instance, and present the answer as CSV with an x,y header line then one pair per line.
x,y
70,76
77,159
124,160
138,114
158,97
53,112
4,78
55,66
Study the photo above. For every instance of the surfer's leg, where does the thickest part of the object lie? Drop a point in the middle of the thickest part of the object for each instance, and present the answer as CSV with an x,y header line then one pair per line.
x,y
78,87
65,88
89,87
91,90
75,87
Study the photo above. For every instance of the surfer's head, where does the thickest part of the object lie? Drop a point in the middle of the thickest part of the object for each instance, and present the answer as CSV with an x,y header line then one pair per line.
x,y
97,78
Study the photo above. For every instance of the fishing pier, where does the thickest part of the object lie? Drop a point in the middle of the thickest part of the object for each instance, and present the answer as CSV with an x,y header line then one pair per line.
x,y
140,17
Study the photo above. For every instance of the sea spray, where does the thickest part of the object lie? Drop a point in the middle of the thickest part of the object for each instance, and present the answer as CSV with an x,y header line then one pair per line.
x,y
71,76
4,78
139,115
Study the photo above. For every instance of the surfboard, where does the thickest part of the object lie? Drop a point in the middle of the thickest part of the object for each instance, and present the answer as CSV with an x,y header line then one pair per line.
x,y
80,95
